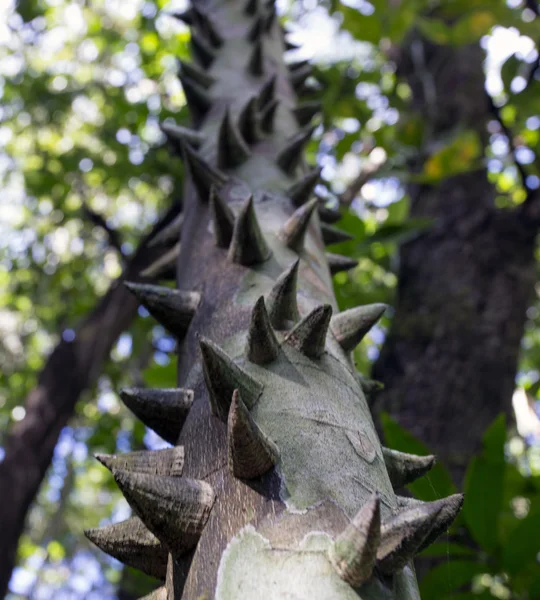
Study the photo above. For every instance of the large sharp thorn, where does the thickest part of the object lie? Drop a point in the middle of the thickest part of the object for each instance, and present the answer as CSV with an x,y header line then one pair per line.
x,y
162,410
333,235
177,134
175,509
248,123
202,173
354,552
197,74
329,215
268,115
294,230
187,17
255,64
295,66
300,192
198,100
262,346
338,263
371,388
232,150
267,92
305,111
174,309
350,326
168,234
282,306
131,543
248,246
168,462
299,76
405,468
222,376
290,156
449,509
403,536
202,51
309,336
256,30
251,7
269,19
164,268
251,453
222,219
291,45
210,31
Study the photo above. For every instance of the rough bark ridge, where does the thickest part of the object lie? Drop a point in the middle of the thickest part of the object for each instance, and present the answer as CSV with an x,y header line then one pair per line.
x,y
286,490
464,286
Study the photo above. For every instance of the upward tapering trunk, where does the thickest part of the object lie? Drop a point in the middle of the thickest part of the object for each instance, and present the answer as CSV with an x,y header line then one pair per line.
x,y
280,448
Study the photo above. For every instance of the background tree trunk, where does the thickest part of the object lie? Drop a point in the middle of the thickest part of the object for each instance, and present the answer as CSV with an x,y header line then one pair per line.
x,y
450,358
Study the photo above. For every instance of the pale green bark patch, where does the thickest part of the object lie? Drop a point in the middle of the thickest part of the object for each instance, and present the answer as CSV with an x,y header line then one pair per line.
x,y
251,568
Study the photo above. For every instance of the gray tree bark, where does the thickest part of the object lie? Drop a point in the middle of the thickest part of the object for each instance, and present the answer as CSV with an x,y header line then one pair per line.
x,y
450,358
286,490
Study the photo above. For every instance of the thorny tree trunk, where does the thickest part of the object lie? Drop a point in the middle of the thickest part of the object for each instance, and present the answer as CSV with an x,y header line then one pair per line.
x,y
280,448
450,358
71,368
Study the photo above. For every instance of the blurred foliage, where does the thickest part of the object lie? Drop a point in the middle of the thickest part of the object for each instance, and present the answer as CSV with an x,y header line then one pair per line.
x,y
84,85
491,550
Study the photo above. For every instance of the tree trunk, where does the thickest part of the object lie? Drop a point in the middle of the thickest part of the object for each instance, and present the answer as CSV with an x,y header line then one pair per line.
x,y
281,451
71,368
450,358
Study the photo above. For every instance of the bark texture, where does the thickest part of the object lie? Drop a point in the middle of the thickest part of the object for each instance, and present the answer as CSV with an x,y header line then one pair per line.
x,y
285,490
71,368
450,358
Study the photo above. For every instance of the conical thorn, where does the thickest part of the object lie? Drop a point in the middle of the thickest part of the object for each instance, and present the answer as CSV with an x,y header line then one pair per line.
x,y
195,73
174,309
132,544
232,150
202,51
309,336
294,231
202,173
268,116
222,219
198,100
350,326
255,64
282,305
175,509
333,235
251,453
262,346
222,376
248,123
305,111
162,410
248,246
168,462
354,552
338,263
405,468
290,156
301,191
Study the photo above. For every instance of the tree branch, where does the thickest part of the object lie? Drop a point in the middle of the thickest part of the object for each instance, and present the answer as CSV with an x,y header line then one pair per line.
x,y
367,173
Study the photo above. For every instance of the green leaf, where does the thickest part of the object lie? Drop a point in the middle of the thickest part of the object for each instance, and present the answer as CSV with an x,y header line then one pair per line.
x,y
437,483
449,576
484,488
447,549
523,545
